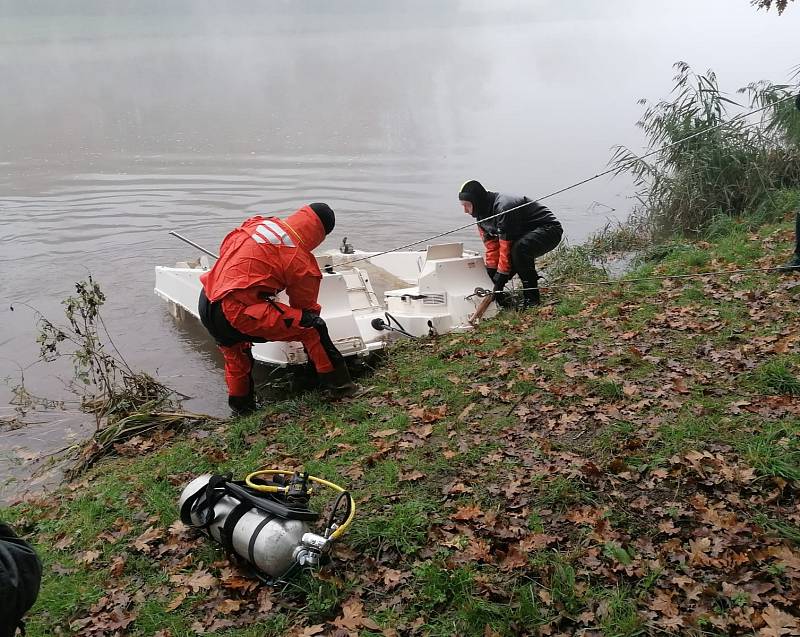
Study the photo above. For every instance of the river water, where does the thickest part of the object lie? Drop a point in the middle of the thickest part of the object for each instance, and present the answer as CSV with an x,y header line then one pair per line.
x,y
122,120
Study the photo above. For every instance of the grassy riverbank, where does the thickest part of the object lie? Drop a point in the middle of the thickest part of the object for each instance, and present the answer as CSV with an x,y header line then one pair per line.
x,y
624,460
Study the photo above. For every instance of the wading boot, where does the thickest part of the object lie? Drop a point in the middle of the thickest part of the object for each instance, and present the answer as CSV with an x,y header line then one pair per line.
x,y
530,291
530,299
338,382
242,405
793,265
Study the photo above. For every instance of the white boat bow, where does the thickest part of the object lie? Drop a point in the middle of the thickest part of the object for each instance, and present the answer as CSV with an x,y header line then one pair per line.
x,y
426,293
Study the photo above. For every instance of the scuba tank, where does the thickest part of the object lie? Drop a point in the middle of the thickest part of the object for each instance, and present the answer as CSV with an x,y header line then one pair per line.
x,y
264,519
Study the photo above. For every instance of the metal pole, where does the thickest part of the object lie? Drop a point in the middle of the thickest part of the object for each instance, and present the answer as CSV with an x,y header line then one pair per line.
x,y
193,244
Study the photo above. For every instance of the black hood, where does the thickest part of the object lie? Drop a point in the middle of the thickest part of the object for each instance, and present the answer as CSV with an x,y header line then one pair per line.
x,y
325,214
474,192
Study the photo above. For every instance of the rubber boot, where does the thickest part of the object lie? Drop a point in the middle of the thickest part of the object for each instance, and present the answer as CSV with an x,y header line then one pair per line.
x,y
794,263
530,299
242,405
338,381
530,292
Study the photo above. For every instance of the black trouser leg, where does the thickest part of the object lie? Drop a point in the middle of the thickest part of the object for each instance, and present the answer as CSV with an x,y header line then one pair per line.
x,y
797,233
524,253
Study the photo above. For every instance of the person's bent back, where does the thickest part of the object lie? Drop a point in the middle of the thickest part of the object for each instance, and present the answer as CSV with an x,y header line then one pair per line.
x,y
238,304
20,576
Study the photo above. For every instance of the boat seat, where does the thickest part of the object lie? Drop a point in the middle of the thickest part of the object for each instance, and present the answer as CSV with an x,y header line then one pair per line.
x,y
444,251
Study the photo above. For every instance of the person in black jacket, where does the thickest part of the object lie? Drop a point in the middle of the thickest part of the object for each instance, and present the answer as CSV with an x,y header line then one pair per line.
x,y
515,231
20,576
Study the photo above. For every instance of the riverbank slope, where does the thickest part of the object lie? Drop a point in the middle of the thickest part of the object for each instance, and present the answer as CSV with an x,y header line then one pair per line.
x,y
623,460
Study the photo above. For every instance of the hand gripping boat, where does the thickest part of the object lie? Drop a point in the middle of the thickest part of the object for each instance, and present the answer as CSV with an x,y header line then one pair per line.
x,y
425,293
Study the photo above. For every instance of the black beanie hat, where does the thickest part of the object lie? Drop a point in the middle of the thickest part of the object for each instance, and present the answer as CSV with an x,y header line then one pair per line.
x,y
325,215
474,192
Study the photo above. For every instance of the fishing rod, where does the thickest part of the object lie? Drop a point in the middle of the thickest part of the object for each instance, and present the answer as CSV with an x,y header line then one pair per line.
x,y
587,180
193,244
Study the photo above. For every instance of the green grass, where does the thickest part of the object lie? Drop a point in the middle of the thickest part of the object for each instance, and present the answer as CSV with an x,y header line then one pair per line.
x,y
541,452
621,618
777,376
440,587
607,388
402,527
775,451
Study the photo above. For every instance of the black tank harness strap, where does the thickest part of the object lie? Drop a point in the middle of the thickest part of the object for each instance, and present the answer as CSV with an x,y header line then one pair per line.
x,y
226,532
202,504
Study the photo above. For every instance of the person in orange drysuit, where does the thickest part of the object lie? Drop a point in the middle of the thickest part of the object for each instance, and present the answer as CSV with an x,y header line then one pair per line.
x,y
237,303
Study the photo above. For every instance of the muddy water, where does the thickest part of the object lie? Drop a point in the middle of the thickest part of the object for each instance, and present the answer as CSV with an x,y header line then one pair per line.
x,y
121,121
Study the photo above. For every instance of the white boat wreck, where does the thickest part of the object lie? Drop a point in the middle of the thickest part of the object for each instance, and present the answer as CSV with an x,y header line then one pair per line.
x,y
425,293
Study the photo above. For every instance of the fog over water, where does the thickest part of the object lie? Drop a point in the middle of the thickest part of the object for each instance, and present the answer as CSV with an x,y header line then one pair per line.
x,y
120,121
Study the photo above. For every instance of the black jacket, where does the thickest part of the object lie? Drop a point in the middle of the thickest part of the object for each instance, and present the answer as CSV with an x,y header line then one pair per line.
x,y
500,232
20,576
512,226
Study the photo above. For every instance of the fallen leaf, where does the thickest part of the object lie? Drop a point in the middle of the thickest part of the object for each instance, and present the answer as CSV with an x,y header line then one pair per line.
x,y
177,600
87,557
142,543
265,601
392,578
197,581
680,386
351,615
515,558
778,623
470,512
411,476
423,431
227,606
117,566
465,412
385,433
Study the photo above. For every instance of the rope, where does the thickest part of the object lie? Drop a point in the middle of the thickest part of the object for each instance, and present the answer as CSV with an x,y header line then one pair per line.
x,y
579,183
481,292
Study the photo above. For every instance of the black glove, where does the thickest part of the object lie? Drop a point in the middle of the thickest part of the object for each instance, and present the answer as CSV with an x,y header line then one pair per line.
x,y
310,318
491,272
500,280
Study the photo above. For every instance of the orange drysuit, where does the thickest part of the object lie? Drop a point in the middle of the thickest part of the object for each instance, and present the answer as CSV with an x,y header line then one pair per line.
x,y
257,260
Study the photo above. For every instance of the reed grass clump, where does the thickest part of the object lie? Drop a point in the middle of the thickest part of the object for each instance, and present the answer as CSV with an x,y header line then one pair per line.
x,y
125,402
736,167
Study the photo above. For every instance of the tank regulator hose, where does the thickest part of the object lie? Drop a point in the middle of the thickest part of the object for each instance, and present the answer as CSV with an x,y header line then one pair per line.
x,y
270,488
